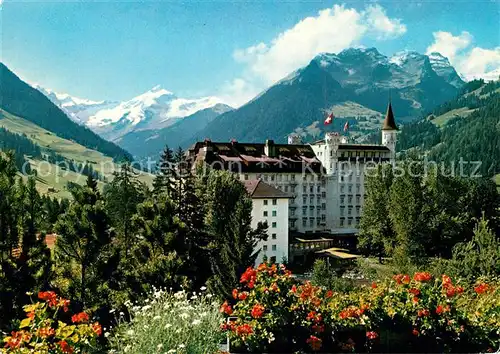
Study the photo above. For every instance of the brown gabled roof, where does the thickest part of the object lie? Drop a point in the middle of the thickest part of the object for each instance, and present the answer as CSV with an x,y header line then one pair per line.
x,y
389,122
259,189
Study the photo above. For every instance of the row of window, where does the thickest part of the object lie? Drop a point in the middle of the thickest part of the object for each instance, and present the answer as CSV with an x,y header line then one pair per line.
x,y
350,222
350,188
311,188
273,213
285,177
350,199
273,248
349,210
274,201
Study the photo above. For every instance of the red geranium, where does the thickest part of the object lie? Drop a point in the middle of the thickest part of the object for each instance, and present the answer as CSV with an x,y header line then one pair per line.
x,y
414,291
65,347
439,310
314,342
481,288
422,276
371,335
80,317
257,311
235,293
226,308
244,330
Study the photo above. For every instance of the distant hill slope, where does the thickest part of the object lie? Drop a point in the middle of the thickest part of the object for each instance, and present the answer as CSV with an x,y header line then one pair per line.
x,y
149,143
22,100
416,83
34,142
467,128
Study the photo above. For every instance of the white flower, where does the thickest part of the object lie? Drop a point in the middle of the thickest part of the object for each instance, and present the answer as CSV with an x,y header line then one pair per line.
x,y
203,314
203,288
157,318
168,325
181,346
196,322
184,316
194,297
179,295
270,338
127,348
122,314
106,334
159,346
130,332
209,296
171,351
145,308
112,310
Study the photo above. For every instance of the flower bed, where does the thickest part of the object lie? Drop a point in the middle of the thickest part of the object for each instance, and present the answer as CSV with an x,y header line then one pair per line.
x,y
43,331
271,312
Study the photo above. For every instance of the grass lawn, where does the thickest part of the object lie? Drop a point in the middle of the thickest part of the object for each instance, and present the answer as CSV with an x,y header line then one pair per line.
x,y
443,119
51,179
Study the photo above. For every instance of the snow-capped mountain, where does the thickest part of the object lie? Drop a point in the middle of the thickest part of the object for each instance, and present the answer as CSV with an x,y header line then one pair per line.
x,y
78,109
154,109
443,68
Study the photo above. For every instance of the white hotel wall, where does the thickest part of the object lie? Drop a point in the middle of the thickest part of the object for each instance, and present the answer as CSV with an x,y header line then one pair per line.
x,y
280,230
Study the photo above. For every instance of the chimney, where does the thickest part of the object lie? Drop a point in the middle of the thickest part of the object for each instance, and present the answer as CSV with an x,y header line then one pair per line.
x,y
269,148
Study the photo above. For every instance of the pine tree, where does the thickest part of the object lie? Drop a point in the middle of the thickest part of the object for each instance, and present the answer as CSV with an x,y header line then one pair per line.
x,y
162,182
83,236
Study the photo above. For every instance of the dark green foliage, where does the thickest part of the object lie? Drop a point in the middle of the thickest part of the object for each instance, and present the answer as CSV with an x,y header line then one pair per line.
x,y
227,209
21,146
22,100
165,174
329,276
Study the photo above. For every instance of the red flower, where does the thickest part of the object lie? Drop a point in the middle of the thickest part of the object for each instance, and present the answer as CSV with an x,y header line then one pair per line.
x,y
329,294
374,285
294,289
422,276
423,313
414,291
318,328
481,288
415,299
450,292
250,284
371,335
248,276
257,311
48,296
415,332
96,327
235,293
80,317
65,347
406,279
46,332
446,280
243,295
459,289
31,315
439,310
314,342
64,303
226,308
244,330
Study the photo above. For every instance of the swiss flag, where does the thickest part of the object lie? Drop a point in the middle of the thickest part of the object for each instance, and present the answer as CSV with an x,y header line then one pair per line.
x,y
346,126
329,119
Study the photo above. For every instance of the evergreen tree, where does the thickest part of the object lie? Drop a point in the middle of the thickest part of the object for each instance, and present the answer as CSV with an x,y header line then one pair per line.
x,y
162,182
227,210
376,235
83,237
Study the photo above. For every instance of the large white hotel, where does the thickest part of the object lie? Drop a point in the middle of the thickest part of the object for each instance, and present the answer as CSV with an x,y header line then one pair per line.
x,y
323,182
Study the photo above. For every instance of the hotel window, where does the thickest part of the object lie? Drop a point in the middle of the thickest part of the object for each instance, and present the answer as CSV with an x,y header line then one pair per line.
x,y
304,200
318,199
311,222
349,199
350,177
358,199
286,188
323,218
292,223
275,201
292,188
341,222
311,211
264,248
292,212
311,200
318,211
349,222
273,224
274,213
318,221
304,222
311,189
265,201
293,177
304,210
358,188
323,206
273,247
342,200
304,188
349,211
323,194
273,236
246,177
272,178
358,209
341,211
265,213
349,188
341,189
318,189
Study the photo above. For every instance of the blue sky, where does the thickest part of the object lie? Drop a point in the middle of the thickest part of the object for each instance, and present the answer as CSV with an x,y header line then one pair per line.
x,y
117,50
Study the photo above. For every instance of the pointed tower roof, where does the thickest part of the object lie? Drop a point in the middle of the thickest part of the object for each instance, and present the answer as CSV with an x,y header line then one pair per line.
x,y
389,122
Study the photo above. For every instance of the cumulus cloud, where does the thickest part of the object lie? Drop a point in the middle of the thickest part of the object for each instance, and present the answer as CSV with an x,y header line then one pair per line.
x,y
448,44
471,62
332,30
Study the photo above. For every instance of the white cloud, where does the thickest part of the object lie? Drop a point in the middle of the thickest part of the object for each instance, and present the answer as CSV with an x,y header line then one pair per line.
x,y
448,44
471,63
332,30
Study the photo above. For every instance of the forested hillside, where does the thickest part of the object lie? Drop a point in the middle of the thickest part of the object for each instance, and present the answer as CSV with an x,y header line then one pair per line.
x,y
22,100
472,137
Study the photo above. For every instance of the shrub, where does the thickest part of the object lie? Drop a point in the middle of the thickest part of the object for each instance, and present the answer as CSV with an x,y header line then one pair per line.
x,y
272,312
43,331
170,323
